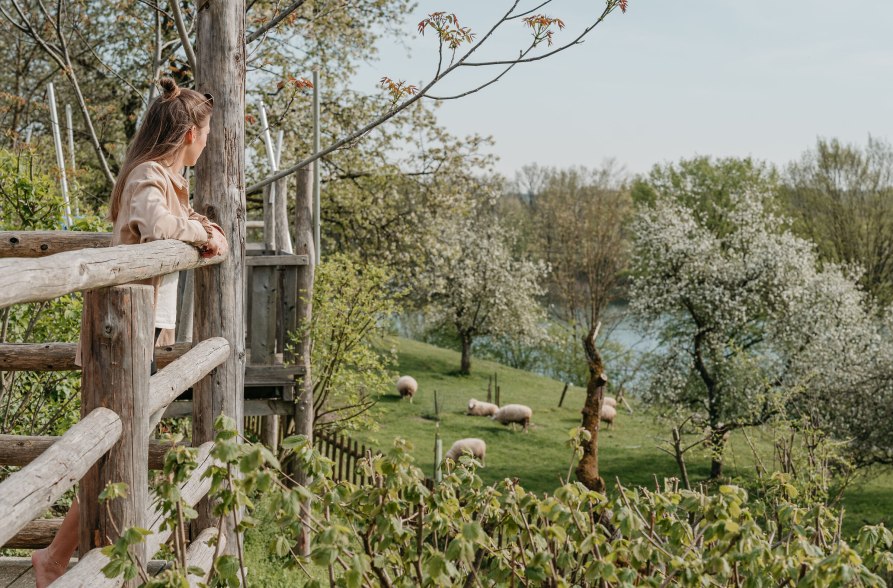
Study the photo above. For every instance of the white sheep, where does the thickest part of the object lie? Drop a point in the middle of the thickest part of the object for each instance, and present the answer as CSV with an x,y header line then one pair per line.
x,y
407,386
609,401
513,413
479,408
608,414
477,448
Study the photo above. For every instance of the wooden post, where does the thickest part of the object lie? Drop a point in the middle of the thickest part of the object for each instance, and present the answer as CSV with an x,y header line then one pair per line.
x,y
438,458
496,388
270,217
305,245
220,194
563,392
436,406
117,352
489,389
186,298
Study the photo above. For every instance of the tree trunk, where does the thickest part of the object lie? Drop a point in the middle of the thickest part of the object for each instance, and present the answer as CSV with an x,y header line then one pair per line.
x,y
220,194
465,366
587,469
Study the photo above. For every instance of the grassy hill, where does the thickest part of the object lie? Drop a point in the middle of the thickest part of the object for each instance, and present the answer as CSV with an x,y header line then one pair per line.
x,y
541,457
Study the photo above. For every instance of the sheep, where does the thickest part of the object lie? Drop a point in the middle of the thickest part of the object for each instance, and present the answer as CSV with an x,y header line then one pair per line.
x,y
608,414
609,401
477,448
479,408
407,386
513,413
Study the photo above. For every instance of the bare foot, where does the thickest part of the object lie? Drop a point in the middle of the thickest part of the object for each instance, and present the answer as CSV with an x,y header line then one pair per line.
x,y
46,569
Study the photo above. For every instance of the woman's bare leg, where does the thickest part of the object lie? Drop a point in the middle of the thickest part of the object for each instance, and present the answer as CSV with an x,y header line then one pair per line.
x,y
50,563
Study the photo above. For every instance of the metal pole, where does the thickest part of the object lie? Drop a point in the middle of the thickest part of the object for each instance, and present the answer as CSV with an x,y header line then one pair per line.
x,y
270,202
77,210
317,165
60,159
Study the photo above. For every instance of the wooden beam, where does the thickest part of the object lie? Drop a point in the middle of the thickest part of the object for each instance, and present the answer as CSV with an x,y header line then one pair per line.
x,y
35,535
88,571
201,555
220,194
20,450
173,380
118,326
281,260
45,278
183,408
59,357
43,243
27,493
304,245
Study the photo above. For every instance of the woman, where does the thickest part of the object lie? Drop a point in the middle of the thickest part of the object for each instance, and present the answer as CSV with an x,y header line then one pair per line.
x,y
150,201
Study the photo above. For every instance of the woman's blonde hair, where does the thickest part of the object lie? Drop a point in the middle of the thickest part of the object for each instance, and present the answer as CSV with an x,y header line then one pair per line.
x,y
163,131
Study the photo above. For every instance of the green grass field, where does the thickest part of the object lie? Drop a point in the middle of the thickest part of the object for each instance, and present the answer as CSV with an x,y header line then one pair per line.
x,y
541,457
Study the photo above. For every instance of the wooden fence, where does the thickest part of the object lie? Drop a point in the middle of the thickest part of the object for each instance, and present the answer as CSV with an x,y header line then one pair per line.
x,y
346,454
121,403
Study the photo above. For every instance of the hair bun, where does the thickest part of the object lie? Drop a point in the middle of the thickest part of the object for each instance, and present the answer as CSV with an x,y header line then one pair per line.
x,y
170,87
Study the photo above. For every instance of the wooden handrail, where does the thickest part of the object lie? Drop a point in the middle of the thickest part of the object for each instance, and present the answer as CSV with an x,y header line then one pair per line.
x,y
45,278
43,243
59,357
20,450
166,385
201,555
27,493
88,571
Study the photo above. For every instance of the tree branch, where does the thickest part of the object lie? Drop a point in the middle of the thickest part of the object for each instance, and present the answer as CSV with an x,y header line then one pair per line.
x,y
184,35
274,21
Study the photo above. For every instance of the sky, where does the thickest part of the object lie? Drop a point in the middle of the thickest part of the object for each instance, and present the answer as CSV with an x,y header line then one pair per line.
x,y
669,79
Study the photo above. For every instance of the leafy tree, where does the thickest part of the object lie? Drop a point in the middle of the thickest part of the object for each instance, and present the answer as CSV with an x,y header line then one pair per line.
x,y
841,198
578,221
750,325
474,285
352,301
705,185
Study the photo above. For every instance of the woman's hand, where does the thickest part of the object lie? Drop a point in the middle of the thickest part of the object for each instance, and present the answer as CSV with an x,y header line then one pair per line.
x,y
216,245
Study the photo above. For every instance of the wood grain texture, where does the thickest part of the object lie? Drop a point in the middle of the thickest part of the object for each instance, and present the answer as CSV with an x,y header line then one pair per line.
x,y
20,450
118,327
173,380
220,194
43,243
88,571
59,357
304,245
201,555
45,278
35,535
27,493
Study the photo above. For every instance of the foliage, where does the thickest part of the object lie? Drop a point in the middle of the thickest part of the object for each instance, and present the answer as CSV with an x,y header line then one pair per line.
x,y
751,327
37,403
352,300
475,285
398,532
841,198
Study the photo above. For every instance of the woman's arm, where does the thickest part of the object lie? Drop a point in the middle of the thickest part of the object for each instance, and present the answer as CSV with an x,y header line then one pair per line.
x,y
151,218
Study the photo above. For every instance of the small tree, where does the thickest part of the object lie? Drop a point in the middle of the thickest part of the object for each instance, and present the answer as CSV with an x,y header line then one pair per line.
x,y
751,326
475,286
581,232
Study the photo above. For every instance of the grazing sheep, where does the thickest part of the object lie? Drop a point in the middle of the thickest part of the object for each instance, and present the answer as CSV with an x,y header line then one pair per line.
x,y
608,414
513,413
609,401
407,386
479,408
477,448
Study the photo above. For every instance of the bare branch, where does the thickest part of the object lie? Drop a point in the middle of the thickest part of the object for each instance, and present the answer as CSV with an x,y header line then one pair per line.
x,y
274,21
531,11
184,35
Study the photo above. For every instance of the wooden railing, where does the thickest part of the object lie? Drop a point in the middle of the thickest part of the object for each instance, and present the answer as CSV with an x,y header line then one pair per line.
x,y
121,403
346,454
